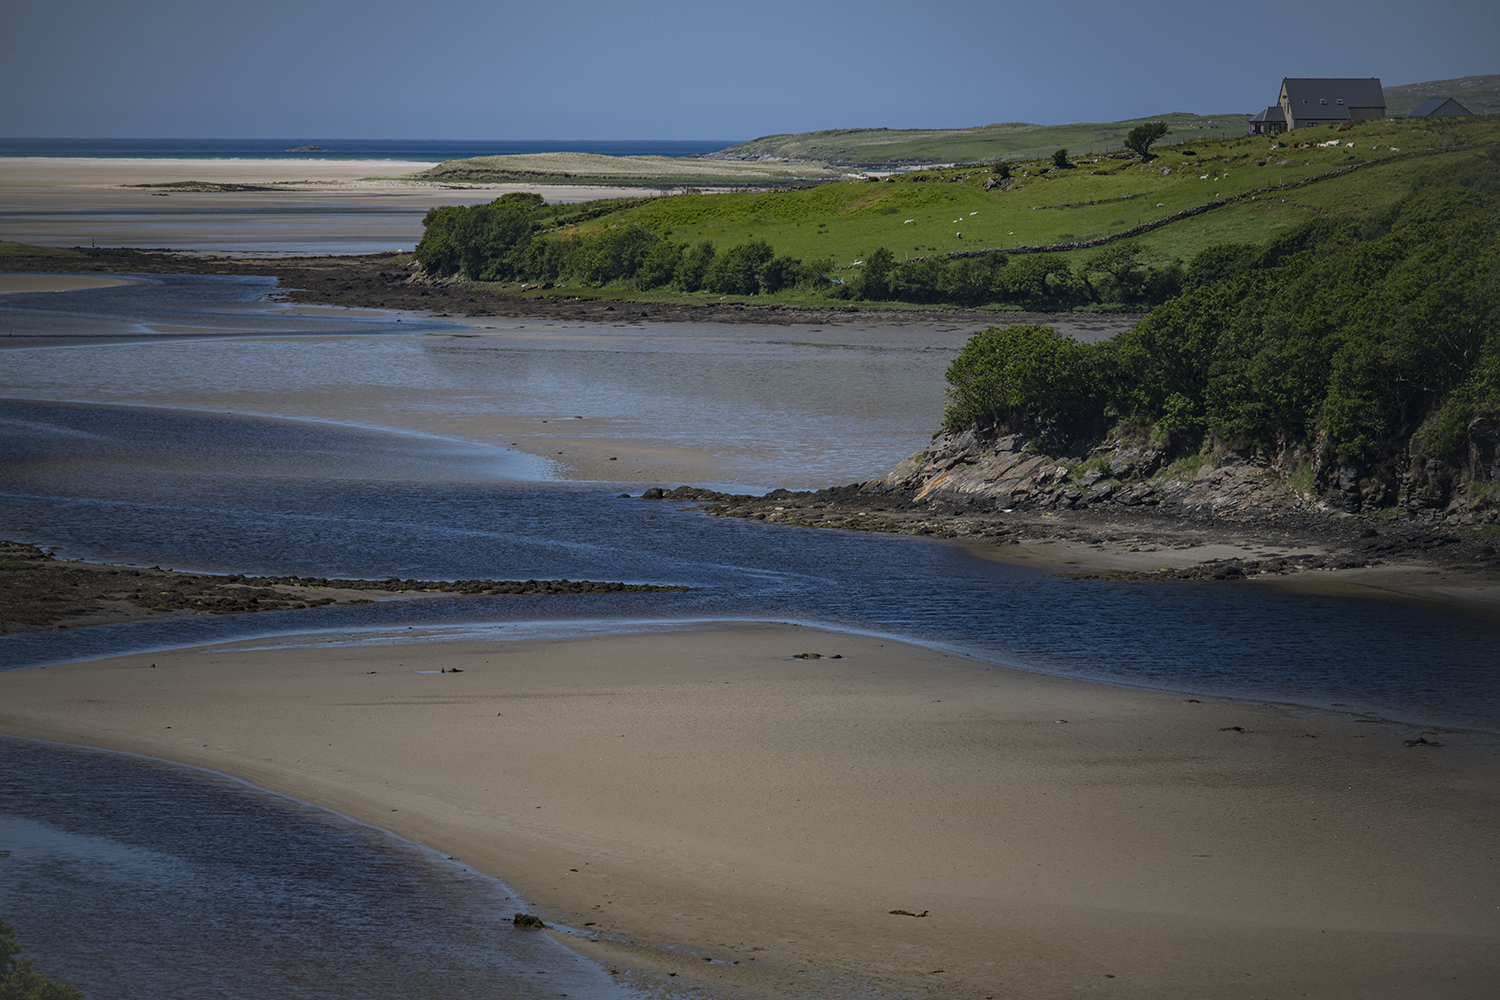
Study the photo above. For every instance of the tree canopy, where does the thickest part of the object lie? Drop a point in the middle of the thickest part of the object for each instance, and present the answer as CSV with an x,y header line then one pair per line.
x,y
18,981
1140,139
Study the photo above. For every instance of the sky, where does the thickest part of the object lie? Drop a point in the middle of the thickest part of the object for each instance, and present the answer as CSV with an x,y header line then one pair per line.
x,y
687,69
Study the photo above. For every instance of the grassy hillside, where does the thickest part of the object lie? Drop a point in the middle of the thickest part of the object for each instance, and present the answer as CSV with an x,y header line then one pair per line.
x,y
945,211
881,147
592,168
1480,94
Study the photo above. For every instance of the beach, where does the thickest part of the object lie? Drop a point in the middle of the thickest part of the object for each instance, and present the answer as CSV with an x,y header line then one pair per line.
x,y
688,800
238,206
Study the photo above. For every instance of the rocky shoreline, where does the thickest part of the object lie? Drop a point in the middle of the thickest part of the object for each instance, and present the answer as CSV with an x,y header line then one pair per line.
x,y
38,591
1214,520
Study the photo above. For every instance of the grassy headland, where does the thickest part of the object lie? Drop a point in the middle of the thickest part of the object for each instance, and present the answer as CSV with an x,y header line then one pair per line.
x,y
657,171
886,147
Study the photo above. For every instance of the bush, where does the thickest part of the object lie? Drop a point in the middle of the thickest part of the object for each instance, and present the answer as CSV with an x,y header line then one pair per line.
x,y
1021,378
694,266
737,271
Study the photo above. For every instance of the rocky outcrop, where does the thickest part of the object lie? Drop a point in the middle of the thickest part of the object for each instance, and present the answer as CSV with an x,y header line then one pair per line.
x,y
1013,471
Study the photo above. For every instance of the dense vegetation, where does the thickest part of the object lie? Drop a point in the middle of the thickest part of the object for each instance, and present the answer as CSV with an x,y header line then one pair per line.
x,y
1366,341
18,981
519,237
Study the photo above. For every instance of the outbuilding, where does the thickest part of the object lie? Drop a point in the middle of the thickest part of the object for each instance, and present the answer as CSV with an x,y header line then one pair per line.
x,y
1432,107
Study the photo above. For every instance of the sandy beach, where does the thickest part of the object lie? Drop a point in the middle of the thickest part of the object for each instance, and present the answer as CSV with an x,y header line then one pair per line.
x,y
314,205
710,806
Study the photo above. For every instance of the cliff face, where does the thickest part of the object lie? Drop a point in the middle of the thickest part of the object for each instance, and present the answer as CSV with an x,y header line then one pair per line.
x,y
1012,471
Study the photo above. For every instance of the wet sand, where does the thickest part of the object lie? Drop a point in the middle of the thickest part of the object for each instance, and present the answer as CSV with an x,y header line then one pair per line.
x,y
700,798
12,284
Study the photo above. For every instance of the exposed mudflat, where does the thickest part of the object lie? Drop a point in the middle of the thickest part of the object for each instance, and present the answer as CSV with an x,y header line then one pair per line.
x,y
39,592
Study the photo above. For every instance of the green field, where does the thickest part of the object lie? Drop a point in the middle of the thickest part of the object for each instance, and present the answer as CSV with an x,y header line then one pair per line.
x,y
887,148
923,213
10,249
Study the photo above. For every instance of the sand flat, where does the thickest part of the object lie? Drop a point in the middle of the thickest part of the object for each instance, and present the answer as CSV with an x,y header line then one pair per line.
x,y
306,205
702,792
13,283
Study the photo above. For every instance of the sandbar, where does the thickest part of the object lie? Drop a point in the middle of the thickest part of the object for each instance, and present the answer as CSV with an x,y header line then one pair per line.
x,y
701,802
12,284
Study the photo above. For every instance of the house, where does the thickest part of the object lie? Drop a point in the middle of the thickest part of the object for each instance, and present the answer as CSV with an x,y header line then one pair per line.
x,y
1268,122
1306,101
1439,106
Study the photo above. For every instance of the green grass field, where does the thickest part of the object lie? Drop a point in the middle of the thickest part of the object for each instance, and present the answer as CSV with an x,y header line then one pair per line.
x,y
10,249
924,213
1016,140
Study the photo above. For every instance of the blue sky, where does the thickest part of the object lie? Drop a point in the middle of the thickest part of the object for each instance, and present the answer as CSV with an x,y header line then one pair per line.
x,y
668,69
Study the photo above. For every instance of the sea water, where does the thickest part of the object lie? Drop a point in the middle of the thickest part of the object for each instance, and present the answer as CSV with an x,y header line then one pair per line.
x,y
420,150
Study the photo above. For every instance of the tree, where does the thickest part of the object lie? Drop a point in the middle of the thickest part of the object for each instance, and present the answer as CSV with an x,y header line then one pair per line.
x,y
1001,169
1060,159
1140,138
694,266
875,278
737,270
19,982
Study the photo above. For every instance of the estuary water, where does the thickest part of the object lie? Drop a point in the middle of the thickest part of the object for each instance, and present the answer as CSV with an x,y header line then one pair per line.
x,y
131,878
345,444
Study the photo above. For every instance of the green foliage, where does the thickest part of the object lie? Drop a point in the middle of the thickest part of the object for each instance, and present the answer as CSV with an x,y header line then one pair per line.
x,y
1140,139
1060,159
18,981
737,270
1321,337
1019,378
875,278
1001,169
694,266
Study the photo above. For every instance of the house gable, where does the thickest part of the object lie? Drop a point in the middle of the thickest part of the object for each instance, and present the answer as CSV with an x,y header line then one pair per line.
x,y
1439,106
1306,101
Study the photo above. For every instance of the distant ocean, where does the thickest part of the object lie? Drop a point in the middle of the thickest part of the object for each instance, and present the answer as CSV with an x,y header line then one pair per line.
x,y
352,149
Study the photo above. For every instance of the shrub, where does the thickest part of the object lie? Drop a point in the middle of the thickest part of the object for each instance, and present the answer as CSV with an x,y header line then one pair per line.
x,y
1020,378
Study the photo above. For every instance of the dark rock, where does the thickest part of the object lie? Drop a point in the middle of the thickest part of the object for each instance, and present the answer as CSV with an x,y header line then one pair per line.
x,y
526,922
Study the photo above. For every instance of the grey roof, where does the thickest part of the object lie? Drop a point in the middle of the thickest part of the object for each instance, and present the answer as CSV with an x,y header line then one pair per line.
x,y
1362,92
1329,112
1439,106
1271,114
